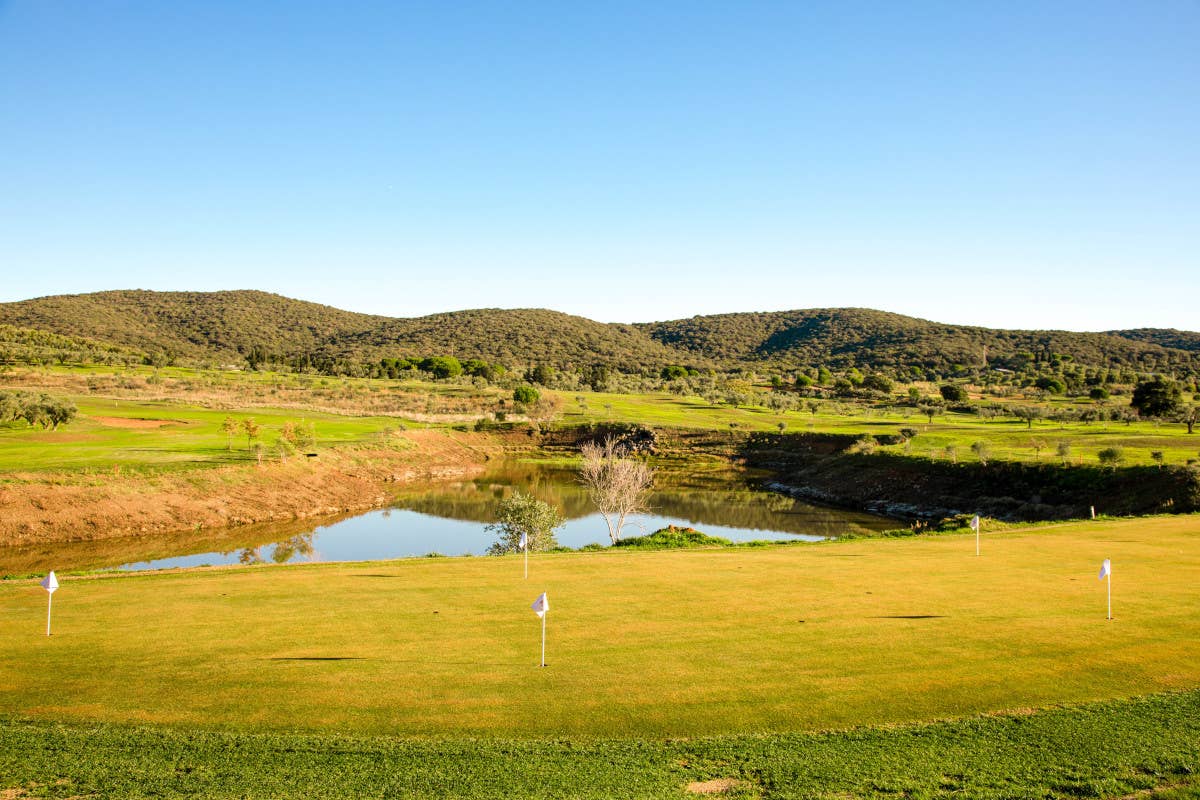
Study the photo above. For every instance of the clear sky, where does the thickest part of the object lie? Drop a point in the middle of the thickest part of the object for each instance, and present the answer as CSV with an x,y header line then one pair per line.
x,y
1010,164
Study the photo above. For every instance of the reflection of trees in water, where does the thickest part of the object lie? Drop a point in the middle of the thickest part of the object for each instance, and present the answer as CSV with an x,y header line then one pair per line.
x,y
282,551
131,550
732,505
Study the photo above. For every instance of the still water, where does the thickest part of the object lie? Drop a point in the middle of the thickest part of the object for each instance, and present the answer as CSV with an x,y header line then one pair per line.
x,y
450,519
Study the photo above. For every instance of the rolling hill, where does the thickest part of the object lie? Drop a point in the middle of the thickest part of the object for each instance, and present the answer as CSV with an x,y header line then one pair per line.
x,y
848,337
225,326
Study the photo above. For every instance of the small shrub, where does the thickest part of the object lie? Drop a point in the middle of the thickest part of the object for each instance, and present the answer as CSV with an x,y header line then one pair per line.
x,y
1111,456
526,395
671,538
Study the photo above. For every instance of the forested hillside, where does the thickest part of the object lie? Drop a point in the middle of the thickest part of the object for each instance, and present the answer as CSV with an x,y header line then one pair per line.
x,y
249,327
1165,337
857,337
513,337
212,325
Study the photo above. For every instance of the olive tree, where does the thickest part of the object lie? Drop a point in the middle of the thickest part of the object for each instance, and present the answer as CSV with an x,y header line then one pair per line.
x,y
617,486
524,515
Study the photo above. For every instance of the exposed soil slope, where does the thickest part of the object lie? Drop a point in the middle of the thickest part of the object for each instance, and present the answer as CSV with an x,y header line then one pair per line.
x,y
38,508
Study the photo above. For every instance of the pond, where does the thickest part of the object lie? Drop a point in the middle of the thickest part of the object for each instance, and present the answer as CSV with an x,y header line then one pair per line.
x,y
450,519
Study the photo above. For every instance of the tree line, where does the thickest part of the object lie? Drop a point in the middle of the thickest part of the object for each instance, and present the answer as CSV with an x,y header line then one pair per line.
x,y
38,410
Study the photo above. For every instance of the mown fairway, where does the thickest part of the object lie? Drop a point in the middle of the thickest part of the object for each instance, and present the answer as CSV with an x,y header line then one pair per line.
x,y
154,435
795,638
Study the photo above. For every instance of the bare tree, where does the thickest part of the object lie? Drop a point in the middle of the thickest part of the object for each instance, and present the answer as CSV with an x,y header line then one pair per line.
x,y
617,486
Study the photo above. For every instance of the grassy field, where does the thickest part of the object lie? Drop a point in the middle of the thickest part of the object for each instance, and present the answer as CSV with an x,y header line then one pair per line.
x,y
1006,437
162,435
1147,749
787,639
194,403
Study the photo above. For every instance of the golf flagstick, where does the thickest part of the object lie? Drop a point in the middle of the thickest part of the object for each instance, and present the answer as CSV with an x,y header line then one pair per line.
x,y
1106,573
49,583
540,607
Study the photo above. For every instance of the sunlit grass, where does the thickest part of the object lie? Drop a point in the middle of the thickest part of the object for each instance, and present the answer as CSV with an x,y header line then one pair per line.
x,y
640,644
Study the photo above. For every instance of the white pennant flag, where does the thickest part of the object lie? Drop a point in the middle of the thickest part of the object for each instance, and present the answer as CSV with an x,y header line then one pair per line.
x,y
541,605
975,523
524,543
1105,569
50,583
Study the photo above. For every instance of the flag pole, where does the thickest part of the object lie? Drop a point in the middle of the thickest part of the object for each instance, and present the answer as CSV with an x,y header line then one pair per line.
x,y
543,641
976,540
526,549
1109,576
49,605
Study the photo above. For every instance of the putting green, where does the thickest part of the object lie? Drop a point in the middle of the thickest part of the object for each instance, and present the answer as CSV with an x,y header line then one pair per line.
x,y
795,638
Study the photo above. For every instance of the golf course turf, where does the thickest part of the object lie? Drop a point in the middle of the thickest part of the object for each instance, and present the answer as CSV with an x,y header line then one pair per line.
x,y
749,652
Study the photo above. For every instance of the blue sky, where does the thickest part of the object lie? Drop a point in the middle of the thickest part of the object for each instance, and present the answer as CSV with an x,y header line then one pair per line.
x,y
1010,164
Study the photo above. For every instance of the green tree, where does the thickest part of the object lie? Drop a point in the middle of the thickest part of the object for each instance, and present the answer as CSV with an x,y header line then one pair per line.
x,y
524,514
527,395
953,393
1111,456
879,383
442,367
542,375
1064,452
1157,398
673,372
1048,383
1028,414
982,451
931,408
1188,417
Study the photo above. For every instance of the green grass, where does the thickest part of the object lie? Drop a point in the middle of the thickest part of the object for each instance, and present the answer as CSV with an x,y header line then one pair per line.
x,y
1008,439
658,644
1145,746
198,441
193,436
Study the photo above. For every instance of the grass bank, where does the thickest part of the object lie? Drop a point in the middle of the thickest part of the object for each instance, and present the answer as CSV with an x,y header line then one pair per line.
x,y
42,507
1145,748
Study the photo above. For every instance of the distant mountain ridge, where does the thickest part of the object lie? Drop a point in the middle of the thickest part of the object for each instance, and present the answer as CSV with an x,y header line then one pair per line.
x,y
226,326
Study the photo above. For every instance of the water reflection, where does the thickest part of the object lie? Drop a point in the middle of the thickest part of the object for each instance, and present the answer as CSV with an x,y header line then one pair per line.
x,y
448,519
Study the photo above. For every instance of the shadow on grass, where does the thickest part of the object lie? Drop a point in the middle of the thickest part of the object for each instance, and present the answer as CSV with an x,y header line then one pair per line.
x,y
911,616
414,661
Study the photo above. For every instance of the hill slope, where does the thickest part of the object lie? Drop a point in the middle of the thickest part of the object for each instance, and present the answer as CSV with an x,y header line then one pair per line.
x,y
515,337
195,324
845,337
225,326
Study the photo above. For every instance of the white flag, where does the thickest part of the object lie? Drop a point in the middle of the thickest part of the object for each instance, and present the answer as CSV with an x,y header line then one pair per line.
x,y
541,605
975,523
1105,569
50,583
524,543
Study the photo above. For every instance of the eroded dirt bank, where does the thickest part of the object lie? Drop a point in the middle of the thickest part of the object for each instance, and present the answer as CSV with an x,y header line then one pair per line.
x,y
36,508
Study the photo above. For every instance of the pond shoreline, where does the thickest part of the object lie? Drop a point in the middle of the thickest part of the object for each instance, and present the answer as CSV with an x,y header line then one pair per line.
x,y
40,509
49,508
